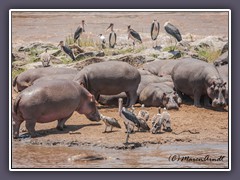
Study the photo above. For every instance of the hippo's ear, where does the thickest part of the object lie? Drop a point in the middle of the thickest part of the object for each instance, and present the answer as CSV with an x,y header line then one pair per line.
x,y
224,84
90,96
81,83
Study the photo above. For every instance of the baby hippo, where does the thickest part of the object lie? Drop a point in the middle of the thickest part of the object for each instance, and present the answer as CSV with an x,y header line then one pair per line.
x,y
51,100
160,120
160,94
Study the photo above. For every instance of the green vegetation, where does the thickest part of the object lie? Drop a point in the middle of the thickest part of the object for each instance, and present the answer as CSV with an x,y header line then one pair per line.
x,y
65,60
17,71
170,48
208,54
82,42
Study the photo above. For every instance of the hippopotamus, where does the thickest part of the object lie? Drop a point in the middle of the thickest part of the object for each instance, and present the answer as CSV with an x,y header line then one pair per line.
x,y
160,67
52,100
223,71
55,77
27,78
197,78
144,72
160,95
110,78
145,80
223,59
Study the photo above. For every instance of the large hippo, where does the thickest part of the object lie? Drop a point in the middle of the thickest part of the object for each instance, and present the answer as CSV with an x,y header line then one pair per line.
x,y
223,71
27,78
160,67
160,95
145,80
197,78
52,100
110,78
55,77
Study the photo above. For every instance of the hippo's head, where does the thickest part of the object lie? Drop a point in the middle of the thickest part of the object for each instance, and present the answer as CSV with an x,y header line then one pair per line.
x,y
90,109
217,92
171,100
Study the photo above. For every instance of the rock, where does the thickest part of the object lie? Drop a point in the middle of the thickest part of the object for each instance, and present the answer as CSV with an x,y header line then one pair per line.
x,y
169,55
211,42
99,54
85,157
81,64
18,56
55,52
33,65
18,63
81,56
225,48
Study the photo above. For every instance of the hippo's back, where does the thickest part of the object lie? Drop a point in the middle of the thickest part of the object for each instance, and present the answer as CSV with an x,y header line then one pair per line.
x,y
48,101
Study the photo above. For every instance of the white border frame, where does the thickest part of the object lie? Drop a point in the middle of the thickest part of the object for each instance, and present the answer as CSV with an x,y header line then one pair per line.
x,y
126,10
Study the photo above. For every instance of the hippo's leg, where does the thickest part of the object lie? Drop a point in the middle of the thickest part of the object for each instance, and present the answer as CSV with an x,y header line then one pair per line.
x,y
197,96
206,101
16,126
61,123
30,125
131,98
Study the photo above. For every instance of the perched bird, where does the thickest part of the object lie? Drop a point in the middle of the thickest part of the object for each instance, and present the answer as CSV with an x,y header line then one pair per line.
x,y
155,28
112,36
102,39
112,122
79,31
143,113
173,31
134,35
67,50
161,120
143,124
132,109
45,58
156,116
130,119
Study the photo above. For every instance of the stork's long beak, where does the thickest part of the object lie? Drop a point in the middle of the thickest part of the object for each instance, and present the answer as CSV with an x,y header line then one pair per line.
x,y
108,27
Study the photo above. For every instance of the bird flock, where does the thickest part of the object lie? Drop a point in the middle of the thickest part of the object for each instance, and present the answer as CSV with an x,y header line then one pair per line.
x,y
170,29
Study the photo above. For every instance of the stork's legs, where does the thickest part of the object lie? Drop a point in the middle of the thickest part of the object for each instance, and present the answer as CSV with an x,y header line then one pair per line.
x,y
175,45
128,132
105,130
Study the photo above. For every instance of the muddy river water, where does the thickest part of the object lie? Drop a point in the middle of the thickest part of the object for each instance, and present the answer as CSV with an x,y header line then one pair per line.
x,y
154,156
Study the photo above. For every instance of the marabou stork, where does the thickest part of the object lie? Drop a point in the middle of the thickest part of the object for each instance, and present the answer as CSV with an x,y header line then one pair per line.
x,y
134,35
103,41
155,28
173,31
130,119
67,50
79,31
112,36
112,122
